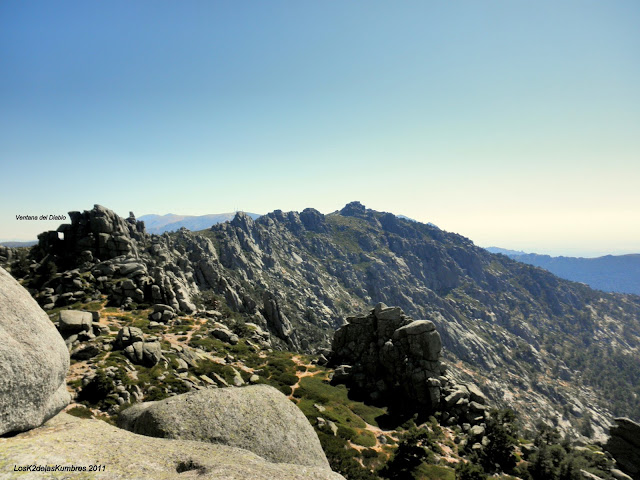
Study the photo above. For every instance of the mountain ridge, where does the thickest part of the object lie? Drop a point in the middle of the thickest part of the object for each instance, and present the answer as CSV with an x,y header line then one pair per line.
x,y
512,328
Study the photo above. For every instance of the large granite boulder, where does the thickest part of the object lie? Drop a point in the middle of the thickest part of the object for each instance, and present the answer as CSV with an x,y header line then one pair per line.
x,y
144,353
256,418
122,455
74,321
33,361
624,445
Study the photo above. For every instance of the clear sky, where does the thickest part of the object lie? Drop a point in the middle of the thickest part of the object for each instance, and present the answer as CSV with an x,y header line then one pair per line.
x,y
516,124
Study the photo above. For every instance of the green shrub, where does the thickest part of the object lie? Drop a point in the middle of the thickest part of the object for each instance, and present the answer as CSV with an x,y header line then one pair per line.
x,y
469,471
96,391
287,378
346,432
365,438
341,458
410,454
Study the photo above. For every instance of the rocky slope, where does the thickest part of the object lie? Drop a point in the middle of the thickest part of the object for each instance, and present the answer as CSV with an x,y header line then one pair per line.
x,y
554,350
254,432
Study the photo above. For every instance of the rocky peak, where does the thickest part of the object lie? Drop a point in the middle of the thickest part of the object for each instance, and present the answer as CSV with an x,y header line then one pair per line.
x,y
353,209
313,220
243,221
502,319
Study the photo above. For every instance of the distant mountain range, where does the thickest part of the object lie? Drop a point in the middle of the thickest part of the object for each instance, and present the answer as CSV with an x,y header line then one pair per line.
x,y
19,244
171,222
611,273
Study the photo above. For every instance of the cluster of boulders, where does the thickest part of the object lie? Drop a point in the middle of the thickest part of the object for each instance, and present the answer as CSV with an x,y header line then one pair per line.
x,y
66,288
389,357
120,392
138,347
102,253
162,313
77,326
98,233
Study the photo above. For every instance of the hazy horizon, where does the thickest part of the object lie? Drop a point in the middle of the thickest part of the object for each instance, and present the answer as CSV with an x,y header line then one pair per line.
x,y
516,125
568,251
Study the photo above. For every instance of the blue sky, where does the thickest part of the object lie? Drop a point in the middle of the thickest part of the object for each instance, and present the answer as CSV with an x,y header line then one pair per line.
x,y
515,124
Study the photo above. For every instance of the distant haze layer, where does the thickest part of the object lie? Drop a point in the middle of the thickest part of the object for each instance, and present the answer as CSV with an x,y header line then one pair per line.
x,y
609,273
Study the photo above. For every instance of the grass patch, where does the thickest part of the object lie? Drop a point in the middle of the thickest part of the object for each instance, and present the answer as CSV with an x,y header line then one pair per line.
x,y
339,408
367,412
364,438
93,306
434,472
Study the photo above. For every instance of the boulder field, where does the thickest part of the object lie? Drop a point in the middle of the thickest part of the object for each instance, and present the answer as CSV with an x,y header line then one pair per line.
x,y
233,433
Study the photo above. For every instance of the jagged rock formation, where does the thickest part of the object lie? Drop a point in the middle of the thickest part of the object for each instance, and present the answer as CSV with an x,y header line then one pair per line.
x,y
386,356
256,418
123,455
624,445
33,361
297,275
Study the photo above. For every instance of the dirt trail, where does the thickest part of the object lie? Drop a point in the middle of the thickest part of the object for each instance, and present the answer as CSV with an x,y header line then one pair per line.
x,y
299,373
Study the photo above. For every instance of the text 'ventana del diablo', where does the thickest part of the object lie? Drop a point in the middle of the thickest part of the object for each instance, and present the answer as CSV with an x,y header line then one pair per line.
x,y
41,217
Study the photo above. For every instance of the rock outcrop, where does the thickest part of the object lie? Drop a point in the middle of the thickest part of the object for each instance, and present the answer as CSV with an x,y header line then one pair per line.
x,y
137,347
256,418
33,361
390,355
624,445
123,455
391,358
